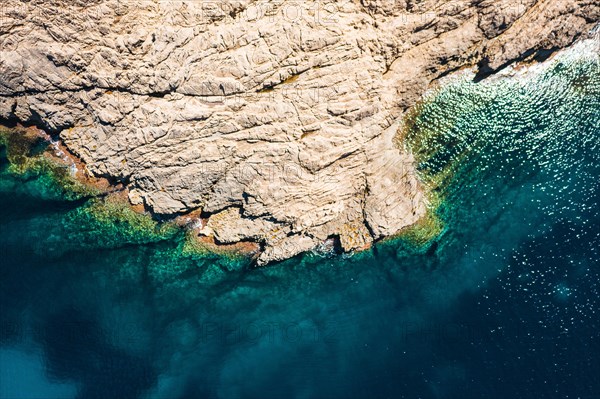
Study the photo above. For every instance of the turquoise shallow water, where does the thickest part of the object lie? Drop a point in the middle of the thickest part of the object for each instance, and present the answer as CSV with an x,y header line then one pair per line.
x,y
504,303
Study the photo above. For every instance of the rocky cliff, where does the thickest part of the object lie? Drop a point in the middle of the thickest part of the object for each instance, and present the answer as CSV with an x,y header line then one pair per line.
x,y
277,118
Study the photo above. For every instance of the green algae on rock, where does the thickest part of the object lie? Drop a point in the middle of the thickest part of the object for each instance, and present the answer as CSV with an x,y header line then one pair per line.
x,y
419,237
116,222
28,158
104,218
27,154
462,127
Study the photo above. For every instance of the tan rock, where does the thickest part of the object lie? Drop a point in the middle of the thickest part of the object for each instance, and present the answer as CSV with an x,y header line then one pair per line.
x,y
277,117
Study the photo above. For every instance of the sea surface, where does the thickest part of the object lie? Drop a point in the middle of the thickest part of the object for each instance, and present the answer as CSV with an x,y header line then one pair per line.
x,y
503,302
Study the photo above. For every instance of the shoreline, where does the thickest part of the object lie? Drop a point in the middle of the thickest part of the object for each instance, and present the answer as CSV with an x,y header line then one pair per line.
x,y
195,224
58,155
192,224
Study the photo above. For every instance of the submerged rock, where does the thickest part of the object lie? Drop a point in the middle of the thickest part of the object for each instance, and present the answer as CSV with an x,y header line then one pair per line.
x,y
275,118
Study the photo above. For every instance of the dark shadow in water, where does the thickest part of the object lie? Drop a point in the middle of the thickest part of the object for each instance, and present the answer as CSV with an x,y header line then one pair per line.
x,y
21,207
74,345
75,348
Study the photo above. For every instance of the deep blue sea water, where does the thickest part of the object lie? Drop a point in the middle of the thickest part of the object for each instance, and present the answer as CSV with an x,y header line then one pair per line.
x,y
504,303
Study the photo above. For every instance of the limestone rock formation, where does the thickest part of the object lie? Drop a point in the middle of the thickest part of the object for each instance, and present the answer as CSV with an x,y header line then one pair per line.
x,y
276,118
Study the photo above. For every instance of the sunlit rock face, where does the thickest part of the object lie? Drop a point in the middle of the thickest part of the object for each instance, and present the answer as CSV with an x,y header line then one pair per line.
x,y
277,119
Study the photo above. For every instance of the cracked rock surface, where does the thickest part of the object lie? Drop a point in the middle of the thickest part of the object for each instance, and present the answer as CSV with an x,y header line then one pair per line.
x,y
276,118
